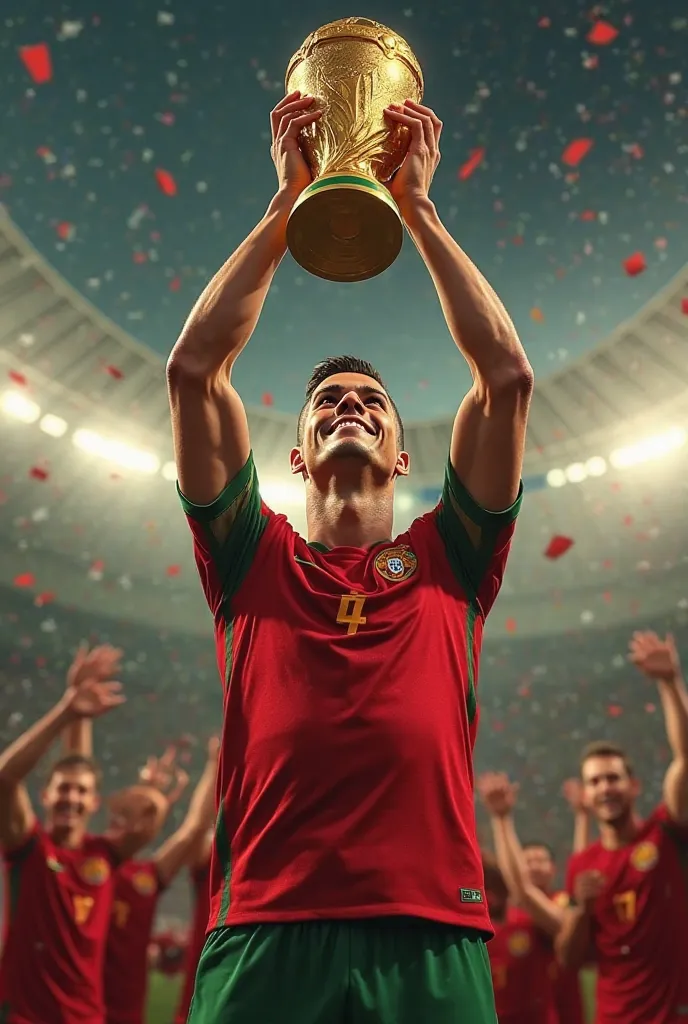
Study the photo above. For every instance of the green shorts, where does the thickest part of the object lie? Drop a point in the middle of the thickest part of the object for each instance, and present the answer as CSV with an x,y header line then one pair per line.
x,y
382,971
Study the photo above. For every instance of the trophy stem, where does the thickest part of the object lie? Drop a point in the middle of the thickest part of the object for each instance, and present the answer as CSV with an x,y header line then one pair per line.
x,y
345,226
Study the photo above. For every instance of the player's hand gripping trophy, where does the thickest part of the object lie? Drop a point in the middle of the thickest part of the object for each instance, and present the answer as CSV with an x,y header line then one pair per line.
x,y
345,225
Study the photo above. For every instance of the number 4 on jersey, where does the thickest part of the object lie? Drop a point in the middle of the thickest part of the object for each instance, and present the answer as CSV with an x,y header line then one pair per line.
x,y
350,612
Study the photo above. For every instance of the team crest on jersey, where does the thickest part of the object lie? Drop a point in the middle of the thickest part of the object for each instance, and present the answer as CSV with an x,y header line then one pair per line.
x,y
396,564
144,883
645,856
95,870
519,943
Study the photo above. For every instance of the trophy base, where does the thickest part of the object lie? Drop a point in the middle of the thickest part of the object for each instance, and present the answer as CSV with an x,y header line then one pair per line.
x,y
345,227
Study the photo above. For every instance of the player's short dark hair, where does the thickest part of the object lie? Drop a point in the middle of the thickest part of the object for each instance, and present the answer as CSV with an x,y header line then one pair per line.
x,y
535,844
345,364
75,761
606,748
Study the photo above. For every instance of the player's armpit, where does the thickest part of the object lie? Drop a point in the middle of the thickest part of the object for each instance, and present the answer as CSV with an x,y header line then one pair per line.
x,y
17,818
209,429
476,540
488,439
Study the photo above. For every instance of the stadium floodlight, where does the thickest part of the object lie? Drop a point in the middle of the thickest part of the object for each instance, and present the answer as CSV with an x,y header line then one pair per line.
x,y
55,426
169,471
19,407
556,478
403,502
648,449
596,466
281,492
576,472
116,451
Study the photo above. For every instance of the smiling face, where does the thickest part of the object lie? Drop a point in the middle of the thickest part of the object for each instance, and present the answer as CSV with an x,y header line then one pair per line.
x,y
609,789
69,800
350,418
539,865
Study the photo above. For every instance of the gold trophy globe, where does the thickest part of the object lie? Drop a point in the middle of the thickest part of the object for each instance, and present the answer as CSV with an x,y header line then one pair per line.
x,y
345,225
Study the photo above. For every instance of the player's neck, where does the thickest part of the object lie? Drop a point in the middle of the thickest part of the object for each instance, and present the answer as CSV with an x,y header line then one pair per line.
x,y
349,517
620,833
66,838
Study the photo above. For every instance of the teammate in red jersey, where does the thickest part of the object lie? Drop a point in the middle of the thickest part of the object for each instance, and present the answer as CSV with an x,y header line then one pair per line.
x,y
629,888
529,872
519,959
200,885
59,878
349,660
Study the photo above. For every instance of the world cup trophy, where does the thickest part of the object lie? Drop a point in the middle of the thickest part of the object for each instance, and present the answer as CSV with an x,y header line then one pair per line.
x,y
345,225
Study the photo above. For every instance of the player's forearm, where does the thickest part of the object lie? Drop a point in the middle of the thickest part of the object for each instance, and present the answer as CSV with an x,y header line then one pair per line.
x,y
476,318
573,942
581,831
225,315
77,738
506,844
674,698
201,812
22,756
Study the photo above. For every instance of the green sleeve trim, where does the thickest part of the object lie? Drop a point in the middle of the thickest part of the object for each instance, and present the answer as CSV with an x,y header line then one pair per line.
x,y
224,501
476,513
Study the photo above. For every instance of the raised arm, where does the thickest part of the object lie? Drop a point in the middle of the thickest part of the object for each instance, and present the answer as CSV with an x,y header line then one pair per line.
x,y
90,699
209,425
184,845
659,660
490,427
499,796
574,943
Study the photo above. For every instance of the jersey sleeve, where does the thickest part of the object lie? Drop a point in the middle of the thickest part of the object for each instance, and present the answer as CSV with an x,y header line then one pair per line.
x,y
226,534
19,853
477,542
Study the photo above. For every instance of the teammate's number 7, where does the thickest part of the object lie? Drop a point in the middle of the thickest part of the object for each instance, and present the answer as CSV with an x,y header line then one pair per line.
x,y
82,908
624,903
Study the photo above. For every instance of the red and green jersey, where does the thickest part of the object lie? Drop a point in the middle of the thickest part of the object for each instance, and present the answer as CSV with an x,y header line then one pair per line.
x,y
200,881
640,925
350,711
520,957
136,892
57,913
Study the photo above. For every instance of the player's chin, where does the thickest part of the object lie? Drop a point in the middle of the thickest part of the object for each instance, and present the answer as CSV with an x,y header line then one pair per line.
x,y
350,448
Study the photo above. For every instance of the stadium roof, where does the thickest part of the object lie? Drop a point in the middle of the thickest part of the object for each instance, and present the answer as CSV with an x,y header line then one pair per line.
x,y
119,541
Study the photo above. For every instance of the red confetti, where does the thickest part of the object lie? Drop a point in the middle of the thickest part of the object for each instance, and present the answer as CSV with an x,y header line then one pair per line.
x,y
47,597
510,625
17,378
37,62
614,710
588,215
684,306
545,22
24,579
602,33
114,372
267,399
537,315
474,161
650,708
98,565
635,264
38,473
65,230
576,151
175,284
166,182
173,570
558,546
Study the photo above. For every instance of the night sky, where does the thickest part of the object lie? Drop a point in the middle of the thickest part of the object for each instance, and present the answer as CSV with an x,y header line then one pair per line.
x,y
136,88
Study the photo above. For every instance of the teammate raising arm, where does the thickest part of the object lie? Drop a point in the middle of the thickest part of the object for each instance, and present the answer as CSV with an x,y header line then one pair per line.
x,y
56,921
629,887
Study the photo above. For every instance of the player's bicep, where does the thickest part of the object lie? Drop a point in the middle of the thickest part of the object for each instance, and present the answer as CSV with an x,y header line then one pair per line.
x,y
210,432
476,540
17,819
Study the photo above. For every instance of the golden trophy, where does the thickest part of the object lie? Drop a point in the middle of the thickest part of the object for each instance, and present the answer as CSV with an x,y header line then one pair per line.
x,y
345,225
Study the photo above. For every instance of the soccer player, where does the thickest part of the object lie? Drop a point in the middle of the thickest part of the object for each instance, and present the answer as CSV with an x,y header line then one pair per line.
x,y
346,854
519,960
529,872
59,878
200,895
140,883
629,888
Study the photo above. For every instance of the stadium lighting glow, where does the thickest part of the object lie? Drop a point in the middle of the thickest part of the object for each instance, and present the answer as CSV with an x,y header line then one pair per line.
x,y
556,478
116,451
169,471
648,449
576,472
277,493
403,502
596,466
19,407
55,426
